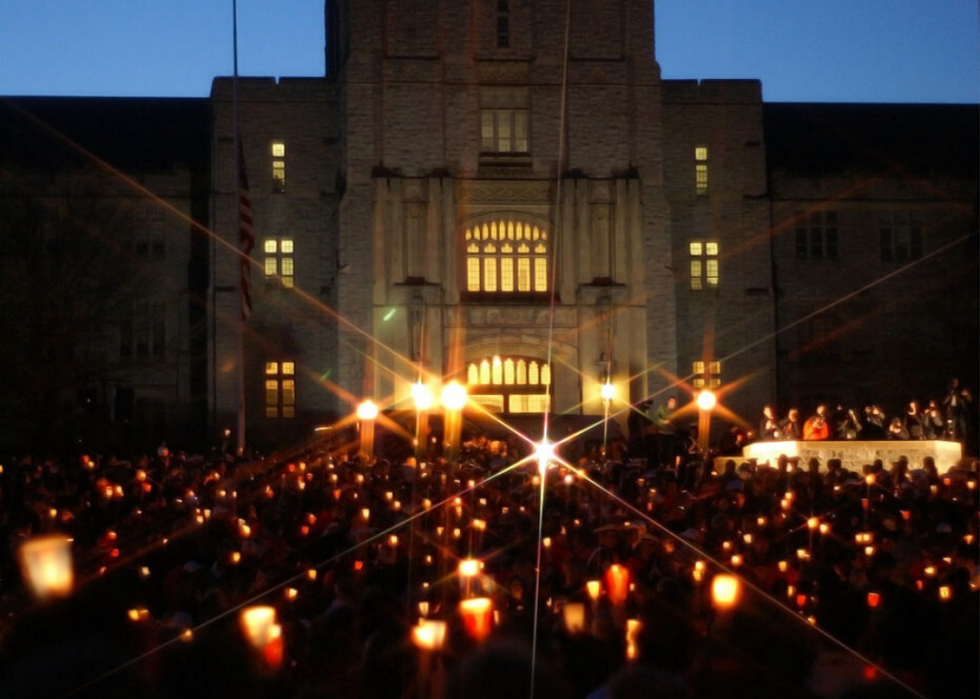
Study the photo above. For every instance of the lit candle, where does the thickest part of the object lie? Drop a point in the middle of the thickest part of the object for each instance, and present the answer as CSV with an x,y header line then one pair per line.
x,y
477,616
573,614
429,635
257,625
725,591
632,631
47,566
617,583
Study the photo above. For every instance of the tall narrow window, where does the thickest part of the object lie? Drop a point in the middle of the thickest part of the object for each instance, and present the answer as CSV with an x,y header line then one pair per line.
x,y
701,170
503,24
280,389
279,262
278,166
504,120
704,265
506,257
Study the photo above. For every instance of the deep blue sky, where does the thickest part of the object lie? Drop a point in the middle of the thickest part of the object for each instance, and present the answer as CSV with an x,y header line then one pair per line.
x,y
802,50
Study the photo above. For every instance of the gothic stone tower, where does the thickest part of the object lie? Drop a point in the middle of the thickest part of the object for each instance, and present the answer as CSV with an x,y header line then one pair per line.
x,y
469,197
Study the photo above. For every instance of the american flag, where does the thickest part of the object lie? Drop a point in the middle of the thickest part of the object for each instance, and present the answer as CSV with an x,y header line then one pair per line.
x,y
246,236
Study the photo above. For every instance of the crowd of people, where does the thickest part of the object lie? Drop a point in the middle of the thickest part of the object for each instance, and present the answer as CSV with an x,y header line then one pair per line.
x,y
853,584
656,430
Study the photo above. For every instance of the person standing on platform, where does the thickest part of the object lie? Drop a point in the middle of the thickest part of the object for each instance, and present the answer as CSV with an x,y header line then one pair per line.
x,y
791,428
768,424
957,402
816,427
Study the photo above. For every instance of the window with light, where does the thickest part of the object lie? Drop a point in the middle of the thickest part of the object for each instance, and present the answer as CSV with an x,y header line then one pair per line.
x,y
505,257
510,384
278,166
711,379
280,389
704,265
279,262
701,169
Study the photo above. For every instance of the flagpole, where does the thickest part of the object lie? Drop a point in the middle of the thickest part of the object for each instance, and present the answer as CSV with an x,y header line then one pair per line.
x,y
241,291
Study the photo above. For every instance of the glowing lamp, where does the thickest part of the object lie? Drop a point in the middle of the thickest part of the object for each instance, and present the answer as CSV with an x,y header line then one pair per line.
x,y
429,635
477,616
725,591
874,599
544,452
945,593
617,583
546,542
824,528
366,514
607,392
813,523
421,396
573,615
469,567
454,396
367,410
593,587
47,566
706,400
311,574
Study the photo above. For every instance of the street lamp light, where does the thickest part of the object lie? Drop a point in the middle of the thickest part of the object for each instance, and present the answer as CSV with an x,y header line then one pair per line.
x,y
453,400
706,402
607,392
366,413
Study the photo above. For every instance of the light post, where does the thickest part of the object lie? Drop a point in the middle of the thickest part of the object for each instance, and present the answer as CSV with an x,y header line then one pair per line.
x,y
422,397
366,413
706,402
608,392
453,400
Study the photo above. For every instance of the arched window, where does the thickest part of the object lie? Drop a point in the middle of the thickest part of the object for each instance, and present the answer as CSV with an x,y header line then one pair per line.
x,y
506,257
510,384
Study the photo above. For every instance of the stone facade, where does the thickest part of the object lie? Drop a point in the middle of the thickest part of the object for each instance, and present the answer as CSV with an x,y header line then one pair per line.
x,y
686,231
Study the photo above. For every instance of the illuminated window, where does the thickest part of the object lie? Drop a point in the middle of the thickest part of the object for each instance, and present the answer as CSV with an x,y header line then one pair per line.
x,y
280,389
900,234
506,257
701,169
510,384
701,380
704,265
279,262
503,24
278,166
504,120
816,235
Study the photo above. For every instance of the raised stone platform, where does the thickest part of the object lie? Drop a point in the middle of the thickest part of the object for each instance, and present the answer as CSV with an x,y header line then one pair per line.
x,y
855,454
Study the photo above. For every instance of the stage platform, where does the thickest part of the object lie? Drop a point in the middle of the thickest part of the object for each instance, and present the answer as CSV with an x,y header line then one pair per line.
x,y
855,454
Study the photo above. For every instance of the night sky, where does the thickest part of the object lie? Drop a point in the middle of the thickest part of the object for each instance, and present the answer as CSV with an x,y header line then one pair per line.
x,y
802,50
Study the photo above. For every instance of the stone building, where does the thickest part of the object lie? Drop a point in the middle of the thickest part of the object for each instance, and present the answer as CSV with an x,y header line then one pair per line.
x,y
459,198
